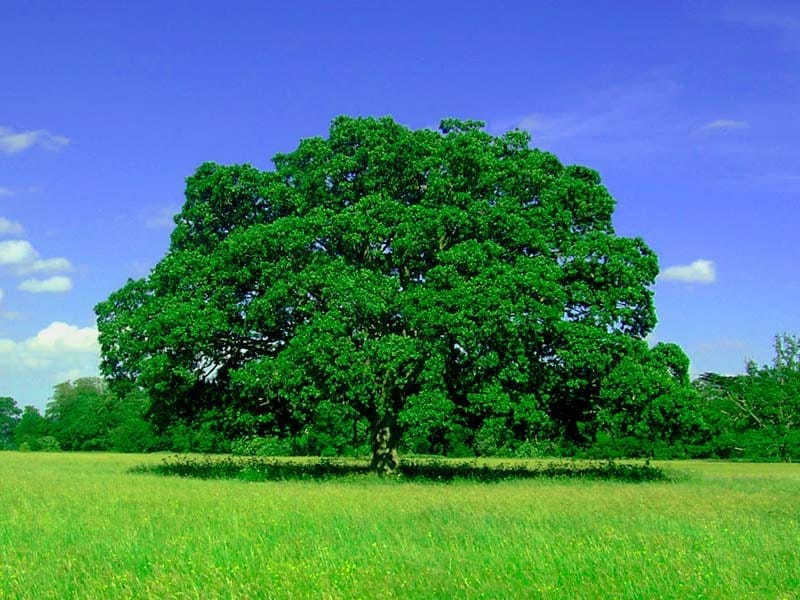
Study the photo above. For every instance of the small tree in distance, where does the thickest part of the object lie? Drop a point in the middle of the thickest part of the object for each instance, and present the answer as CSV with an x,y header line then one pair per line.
x,y
423,282
31,428
10,415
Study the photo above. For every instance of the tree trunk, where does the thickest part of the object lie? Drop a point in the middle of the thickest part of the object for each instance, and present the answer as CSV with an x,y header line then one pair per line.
x,y
384,449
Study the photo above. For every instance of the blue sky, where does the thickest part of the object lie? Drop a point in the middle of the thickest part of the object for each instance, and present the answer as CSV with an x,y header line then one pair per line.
x,y
688,110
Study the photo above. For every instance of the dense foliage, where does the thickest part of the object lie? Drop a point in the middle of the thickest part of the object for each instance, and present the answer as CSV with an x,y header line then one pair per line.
x,y
464,290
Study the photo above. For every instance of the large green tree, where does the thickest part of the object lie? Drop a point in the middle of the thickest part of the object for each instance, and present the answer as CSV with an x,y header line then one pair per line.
x,y
423,282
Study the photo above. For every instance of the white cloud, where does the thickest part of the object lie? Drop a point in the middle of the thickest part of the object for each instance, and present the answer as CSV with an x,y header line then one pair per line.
x,y
50,265
17,252
9,227
56,284
4,191
59,337
23,258
45,347
700,271
724,125
12,141
58,352
2,293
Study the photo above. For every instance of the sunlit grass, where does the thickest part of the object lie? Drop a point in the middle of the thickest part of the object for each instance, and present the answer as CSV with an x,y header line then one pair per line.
x,y
80,526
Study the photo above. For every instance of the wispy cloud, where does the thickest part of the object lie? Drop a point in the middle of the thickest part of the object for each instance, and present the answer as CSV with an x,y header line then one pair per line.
x,y
9,227
31,189
700,271
4,314
630,119
55,285
12,141
642,121
636,109
721,344
724,125
164,218
782,19
787,182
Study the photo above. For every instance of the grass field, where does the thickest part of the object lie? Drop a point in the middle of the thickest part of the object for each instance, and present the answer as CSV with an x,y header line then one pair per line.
x,y
81,526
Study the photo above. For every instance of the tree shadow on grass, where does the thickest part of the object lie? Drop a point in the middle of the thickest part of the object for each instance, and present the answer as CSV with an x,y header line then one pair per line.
x,y
412,470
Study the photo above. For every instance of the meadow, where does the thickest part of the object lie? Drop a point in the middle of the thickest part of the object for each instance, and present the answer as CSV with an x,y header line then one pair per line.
x,y
83,526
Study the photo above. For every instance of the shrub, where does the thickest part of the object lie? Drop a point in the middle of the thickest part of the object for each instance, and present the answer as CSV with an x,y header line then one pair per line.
x,y
536,449
47,444
436,470
261,446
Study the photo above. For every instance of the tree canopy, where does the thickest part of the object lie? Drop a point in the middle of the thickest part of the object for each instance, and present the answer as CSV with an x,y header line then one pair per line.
x,y
431,282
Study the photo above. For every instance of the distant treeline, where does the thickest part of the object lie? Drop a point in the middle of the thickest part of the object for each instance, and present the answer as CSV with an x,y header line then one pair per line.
x,y
754,416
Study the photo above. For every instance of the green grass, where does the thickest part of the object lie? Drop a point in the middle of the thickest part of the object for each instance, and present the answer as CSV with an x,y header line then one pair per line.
x,y
82,526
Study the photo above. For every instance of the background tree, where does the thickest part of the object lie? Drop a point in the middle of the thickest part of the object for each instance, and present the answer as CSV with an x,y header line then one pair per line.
x,y
32,428
86,415
757,415
426,282
9,419
79,414
648,406
128,429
